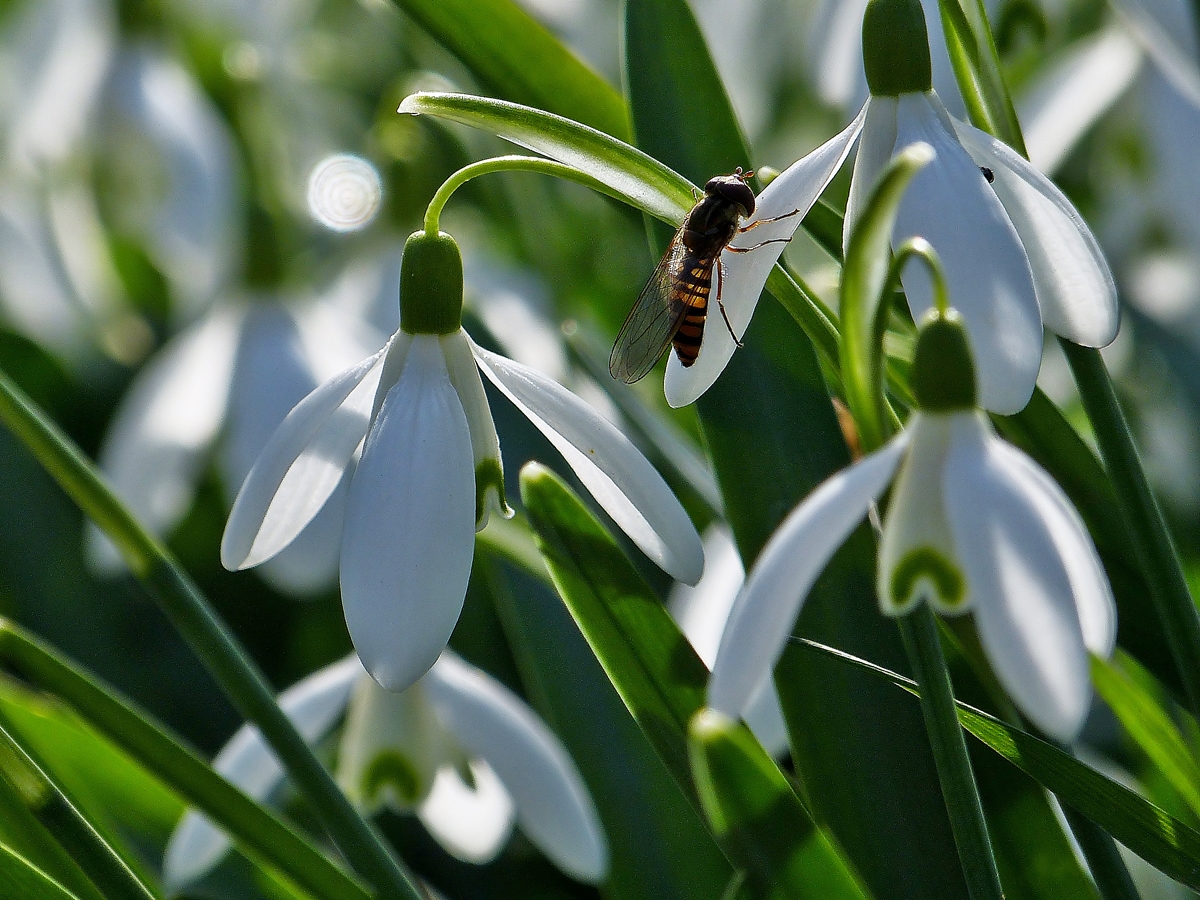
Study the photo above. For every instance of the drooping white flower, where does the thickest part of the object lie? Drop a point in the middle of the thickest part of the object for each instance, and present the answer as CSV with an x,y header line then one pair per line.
x,y
235,374
1016,253
973,526
430,472
409,751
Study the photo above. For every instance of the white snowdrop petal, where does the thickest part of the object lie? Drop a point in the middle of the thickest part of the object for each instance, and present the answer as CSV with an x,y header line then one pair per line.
x,y
623,482
159,436
300,467
702,610
1065,103
553,806
1024,610
874,152
764,717
741,276
1089,584
1075,287
916,521
950,204
410,523
472,823
783,574
314,705
485,443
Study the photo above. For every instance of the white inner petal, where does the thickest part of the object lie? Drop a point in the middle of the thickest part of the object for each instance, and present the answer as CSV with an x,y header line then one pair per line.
x,y
472,823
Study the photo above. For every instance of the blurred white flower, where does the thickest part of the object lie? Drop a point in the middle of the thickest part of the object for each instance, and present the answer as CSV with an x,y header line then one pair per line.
x,y
409,751
702,613
243,368
973,525
429,474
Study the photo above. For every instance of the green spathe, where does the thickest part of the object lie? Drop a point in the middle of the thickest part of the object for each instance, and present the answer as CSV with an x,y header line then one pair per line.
x,y
896,48
943,375
431,284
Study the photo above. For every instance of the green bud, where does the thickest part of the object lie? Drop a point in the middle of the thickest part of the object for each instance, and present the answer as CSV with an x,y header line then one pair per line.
x,y
943,374
896,48
431,284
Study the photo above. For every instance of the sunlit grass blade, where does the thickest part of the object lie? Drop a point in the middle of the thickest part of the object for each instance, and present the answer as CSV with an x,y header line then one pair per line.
x,y
657,673
21,878
1150,726
519,58
254,828
864,301
1151,832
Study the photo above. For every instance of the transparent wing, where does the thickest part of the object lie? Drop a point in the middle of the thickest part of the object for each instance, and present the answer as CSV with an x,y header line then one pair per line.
x,y
654,319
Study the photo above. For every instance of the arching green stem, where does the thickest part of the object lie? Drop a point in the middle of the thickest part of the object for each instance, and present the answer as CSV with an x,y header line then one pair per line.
x,y
919,248
538,164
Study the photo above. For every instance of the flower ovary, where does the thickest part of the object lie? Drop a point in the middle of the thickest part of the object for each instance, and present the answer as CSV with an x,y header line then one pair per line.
x,y
896,48
925,564
943,374
391,769
431,284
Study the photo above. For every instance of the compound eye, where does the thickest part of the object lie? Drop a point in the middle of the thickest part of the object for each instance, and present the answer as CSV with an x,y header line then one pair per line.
x,y
738,192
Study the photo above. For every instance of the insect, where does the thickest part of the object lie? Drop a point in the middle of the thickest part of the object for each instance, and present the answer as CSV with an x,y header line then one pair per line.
x,y
673,306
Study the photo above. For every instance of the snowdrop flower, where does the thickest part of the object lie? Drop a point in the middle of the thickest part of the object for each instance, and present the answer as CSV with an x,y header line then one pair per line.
x,y
1015,252
410,751
235,374
430,472
973,526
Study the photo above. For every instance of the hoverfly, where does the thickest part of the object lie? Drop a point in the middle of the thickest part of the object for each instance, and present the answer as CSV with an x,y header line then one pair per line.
x,y
673,306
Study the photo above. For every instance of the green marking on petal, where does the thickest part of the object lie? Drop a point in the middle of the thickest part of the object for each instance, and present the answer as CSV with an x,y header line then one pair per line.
x,y
926,564
489,474
391,768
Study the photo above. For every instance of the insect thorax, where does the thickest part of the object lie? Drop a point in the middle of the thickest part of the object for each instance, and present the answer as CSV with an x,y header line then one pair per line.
x,y
710,225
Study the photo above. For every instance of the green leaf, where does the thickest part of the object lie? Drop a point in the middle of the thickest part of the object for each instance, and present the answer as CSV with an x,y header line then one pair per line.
x,y
753,810
977,69
517,57
863,309
261,833
1148,830
19,878
648,660
659,844
1151,728
644,182
773,437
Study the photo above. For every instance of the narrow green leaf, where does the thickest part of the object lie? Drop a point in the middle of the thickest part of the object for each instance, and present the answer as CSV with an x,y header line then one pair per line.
x,y
646,183
863,309
977,69
752,809
1148,830
517,57
255,829
659,843
19,878
659,676
773,437
1151,728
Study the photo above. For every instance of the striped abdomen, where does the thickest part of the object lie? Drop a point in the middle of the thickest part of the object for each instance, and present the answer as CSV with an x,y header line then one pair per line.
x,y
692,287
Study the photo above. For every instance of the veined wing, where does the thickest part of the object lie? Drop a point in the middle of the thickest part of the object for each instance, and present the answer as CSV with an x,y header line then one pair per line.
x,y
654,319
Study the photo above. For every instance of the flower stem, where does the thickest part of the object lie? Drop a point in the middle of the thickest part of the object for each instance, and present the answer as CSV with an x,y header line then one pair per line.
x,y
208,636
961,795
433,212
1143,518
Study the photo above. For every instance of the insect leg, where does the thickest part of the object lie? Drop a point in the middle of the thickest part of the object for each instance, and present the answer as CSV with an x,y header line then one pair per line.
x,y
721,306
756,246
755,224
